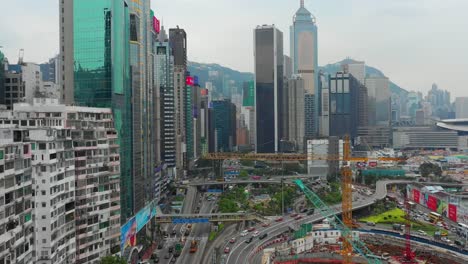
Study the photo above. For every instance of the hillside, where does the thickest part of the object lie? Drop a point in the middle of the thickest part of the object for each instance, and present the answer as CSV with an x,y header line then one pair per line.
x,y
370,71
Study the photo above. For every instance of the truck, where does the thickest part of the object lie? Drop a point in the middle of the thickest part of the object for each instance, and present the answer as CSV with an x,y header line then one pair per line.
x,y
193,246
178,250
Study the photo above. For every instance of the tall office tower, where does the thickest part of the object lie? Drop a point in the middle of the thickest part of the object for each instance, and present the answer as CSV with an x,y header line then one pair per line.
x,y
164,70
32,79
440,102
324,107
74,164
17,226
461,107
225,125
14,88
66,48
141,75
2,77
100,74
344,105
178,43
296,112
196,123
355,68
309,113
268,52
285,117
287,67
204,121
304,55
379,101
363,110
188,108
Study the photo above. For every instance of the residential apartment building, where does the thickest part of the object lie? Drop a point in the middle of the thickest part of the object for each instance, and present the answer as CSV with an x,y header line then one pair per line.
x,y
75,170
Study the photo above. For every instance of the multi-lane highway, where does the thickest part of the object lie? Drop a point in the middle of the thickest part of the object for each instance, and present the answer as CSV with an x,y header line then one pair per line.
x,y
241,251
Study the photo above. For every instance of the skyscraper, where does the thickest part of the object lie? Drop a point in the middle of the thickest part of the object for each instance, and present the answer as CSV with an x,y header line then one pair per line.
x,y
97,72
345,105
178,43
304,55
268,52
225,125
164,71
296,112
461,107
379,101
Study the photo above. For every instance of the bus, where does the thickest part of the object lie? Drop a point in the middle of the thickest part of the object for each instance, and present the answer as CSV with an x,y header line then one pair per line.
x,y
435,217
462,230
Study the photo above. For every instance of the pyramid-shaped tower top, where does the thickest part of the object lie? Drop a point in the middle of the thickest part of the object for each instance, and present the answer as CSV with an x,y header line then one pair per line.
x,y
303,15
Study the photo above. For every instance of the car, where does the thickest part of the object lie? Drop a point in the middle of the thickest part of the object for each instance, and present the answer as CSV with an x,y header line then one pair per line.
x,y
299,217
311,212
266,224
251,229
262,236
370,223
279,219
422,232
160,245
244,233
439,224
171,249
173,260
255,234
249,240
232,240
293,215
227,250
173,233
189,226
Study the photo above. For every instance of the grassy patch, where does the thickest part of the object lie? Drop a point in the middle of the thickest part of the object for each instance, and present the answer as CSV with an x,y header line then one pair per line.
x,y
213,234
397,216
390,217
178,198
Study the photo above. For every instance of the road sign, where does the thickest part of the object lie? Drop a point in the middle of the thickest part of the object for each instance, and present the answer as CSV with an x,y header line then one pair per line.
x,y
189,220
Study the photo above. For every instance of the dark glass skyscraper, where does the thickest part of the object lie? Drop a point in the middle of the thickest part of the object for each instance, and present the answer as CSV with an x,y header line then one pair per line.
x,y
268,43
225,125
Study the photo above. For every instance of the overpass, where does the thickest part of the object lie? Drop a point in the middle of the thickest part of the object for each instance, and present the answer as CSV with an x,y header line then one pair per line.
x,y
272,180
217,217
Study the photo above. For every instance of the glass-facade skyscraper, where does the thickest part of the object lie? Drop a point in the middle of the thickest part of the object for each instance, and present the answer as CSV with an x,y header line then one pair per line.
x,y
101,73
304,56
268,51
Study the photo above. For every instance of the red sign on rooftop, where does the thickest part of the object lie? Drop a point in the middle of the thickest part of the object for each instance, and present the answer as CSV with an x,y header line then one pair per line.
x,y
189,81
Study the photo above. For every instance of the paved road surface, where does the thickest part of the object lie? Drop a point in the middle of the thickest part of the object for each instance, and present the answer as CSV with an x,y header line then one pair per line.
x,y
199,232
241,251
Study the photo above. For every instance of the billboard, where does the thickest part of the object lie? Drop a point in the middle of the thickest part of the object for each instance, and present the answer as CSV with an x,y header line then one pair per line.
x,y
432,203
128,234
452,212
189,81
156,23
204,91
145,215
416,195
195,80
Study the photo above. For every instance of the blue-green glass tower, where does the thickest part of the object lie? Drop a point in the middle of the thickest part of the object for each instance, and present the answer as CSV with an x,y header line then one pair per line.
x,y
101,74
304,56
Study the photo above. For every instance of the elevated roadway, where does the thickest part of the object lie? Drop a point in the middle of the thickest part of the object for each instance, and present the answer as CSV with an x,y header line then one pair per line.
x,y
241,251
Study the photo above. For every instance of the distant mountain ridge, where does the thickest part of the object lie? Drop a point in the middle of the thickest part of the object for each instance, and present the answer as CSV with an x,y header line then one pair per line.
x,y
202,71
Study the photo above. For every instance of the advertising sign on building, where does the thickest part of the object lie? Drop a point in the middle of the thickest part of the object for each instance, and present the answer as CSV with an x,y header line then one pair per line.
x,y
416,195
452,212
432,203
128,234
189,81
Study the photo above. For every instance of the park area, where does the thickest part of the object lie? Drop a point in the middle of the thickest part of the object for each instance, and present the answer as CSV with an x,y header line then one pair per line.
x,y
397,216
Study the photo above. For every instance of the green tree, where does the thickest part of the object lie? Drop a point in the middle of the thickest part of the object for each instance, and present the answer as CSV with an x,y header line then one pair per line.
x,y
427,168
113,260
243,174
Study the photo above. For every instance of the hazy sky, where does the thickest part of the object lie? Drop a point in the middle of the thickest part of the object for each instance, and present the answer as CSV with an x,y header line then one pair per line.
x,y
414,42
